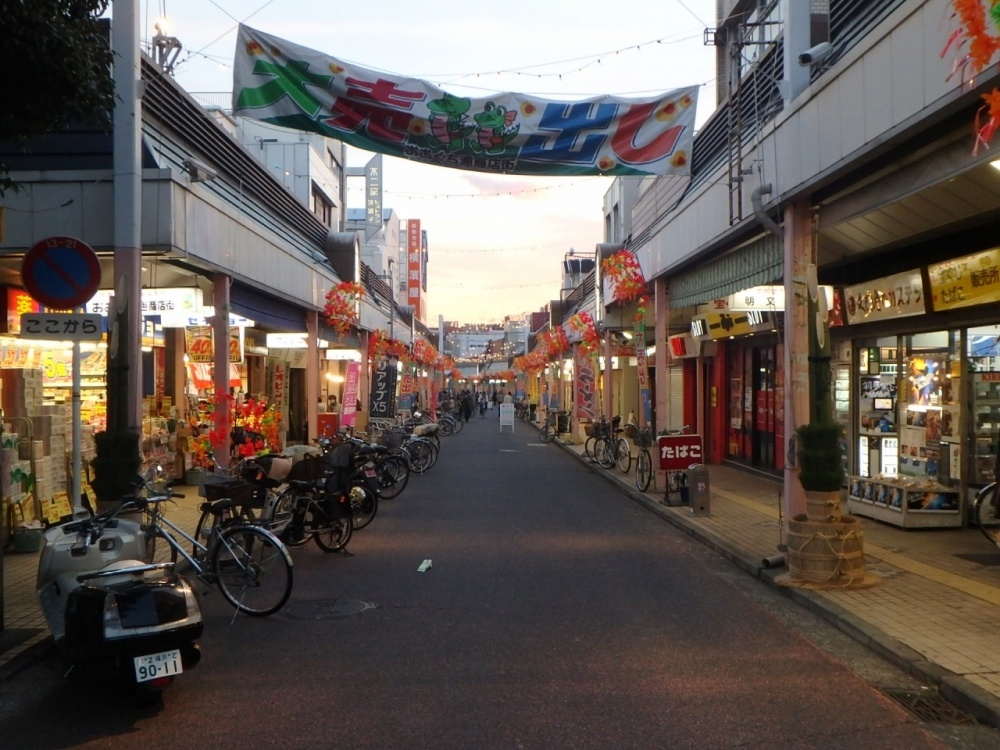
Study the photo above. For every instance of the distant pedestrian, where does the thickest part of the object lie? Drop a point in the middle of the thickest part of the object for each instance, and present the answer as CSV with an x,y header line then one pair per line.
x,y
483,403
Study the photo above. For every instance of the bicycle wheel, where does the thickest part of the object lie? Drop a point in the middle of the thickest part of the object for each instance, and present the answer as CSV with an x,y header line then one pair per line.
x,y
252,569
364,505
152,546
206,524
421,455
623,455
446,426
987,516
286,528
459,425
604,452
546,434
588,447
643,470
331,534
393,474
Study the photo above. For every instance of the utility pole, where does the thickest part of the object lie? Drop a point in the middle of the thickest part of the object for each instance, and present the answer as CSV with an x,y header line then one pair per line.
x,y
125,361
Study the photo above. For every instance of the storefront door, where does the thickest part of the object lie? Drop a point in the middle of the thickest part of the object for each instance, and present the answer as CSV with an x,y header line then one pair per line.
x,y
763,376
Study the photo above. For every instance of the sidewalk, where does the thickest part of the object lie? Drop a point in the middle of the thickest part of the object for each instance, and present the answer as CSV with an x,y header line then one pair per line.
x,y
935,611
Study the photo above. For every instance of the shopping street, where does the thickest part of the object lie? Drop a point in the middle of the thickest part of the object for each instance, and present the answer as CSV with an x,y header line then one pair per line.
x,y
935,609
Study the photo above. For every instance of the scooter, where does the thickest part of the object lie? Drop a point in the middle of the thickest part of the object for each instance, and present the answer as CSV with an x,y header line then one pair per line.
x,y
106,607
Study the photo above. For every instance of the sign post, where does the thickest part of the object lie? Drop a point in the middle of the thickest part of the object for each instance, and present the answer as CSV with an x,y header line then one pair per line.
x,y
63,273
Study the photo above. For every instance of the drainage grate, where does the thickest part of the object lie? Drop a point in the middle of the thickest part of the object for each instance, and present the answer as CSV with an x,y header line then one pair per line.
x,y
326,609
929,706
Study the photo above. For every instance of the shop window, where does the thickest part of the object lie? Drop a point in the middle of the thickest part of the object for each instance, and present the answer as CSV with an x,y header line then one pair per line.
x,y
878,407
929,438
983,355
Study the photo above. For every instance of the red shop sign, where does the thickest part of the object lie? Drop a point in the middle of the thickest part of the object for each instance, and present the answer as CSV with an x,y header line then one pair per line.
x,y
678,452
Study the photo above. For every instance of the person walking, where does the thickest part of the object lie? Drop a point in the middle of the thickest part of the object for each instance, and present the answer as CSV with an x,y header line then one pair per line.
x,y
483,403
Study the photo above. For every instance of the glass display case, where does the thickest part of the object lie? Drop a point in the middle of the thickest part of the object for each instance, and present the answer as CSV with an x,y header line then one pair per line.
x,y
983,352
909,433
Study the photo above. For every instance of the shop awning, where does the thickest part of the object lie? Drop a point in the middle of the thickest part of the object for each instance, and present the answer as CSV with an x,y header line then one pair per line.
x,y
266,311
756,264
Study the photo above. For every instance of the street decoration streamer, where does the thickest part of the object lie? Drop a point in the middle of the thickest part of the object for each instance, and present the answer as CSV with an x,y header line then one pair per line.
x,y
976,46
628,283
341,309
284,84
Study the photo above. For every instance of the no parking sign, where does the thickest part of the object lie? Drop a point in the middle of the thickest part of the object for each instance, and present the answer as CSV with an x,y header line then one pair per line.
x,y
61,273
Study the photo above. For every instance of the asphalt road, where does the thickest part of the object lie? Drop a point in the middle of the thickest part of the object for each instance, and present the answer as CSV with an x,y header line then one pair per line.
x,y
555,614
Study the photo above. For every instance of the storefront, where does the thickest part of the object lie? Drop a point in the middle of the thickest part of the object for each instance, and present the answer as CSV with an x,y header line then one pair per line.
x,y
745,365
918,392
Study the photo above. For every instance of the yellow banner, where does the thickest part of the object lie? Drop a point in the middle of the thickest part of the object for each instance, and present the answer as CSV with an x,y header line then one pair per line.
x,y
966,281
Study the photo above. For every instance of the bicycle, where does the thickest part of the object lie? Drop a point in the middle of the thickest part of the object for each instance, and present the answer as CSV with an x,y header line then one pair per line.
x,y
234,557
614,449
550,430
676,480
643,460
987,512
597,430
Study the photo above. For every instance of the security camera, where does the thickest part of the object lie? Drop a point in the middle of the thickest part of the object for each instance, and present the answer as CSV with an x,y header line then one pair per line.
x,y
816,55
197,171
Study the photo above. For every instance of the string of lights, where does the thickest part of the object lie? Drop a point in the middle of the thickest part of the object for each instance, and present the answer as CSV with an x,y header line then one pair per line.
x,y
454,78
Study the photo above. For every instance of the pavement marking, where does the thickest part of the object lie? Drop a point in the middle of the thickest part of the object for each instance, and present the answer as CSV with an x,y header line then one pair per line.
x,y
424,566
509,450
985,592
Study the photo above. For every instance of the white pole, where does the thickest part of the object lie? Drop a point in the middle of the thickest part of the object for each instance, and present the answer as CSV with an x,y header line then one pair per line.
x,y
77,458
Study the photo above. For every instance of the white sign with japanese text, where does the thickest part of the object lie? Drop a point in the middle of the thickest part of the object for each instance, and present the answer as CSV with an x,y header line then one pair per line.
x,y
62,326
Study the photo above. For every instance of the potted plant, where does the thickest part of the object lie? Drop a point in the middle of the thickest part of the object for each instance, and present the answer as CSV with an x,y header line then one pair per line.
x,y
116,464
825,548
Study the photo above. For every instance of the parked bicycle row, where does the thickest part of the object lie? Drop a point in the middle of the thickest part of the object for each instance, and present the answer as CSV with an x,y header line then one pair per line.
x,y
253,513
609,445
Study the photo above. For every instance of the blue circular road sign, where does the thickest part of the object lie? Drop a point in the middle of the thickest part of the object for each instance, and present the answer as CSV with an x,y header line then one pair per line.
x,y
61,272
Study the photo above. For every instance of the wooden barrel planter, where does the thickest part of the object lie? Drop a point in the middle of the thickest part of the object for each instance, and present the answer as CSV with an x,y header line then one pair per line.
x,y
826,552
823,506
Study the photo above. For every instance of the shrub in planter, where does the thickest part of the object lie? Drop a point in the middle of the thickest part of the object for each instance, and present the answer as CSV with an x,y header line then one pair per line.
x,y
820,466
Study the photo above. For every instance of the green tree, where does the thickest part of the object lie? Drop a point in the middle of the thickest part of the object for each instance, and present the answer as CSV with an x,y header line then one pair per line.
x,y
56,57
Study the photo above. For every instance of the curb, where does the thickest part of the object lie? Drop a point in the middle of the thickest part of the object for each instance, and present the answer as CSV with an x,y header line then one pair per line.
x,y
956,689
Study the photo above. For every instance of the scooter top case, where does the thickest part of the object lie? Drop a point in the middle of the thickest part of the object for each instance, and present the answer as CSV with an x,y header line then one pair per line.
x,y
63,559
131,611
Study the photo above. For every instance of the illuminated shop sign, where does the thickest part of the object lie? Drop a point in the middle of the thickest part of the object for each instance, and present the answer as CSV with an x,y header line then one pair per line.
x,y
895,296
179,301
966,281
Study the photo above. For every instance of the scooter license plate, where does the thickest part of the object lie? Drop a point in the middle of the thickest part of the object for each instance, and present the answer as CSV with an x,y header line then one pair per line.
x,y
151,666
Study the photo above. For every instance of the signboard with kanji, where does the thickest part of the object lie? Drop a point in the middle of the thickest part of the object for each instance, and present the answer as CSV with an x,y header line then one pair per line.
x,y
678,452
382,399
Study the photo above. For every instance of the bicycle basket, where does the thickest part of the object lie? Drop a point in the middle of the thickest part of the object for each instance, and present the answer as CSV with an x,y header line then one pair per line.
x,y
309,468
239,491
644,438
391,439
632,431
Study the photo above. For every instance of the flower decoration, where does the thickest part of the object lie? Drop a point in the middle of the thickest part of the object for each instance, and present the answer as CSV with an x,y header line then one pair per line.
x,y
381,346
976,45
583,323
259,421
341,308
622,268
640,309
